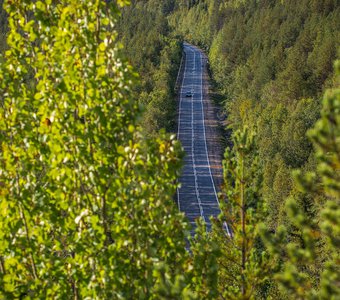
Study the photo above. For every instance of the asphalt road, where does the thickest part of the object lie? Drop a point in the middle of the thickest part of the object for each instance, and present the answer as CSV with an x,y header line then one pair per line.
x,y
197,195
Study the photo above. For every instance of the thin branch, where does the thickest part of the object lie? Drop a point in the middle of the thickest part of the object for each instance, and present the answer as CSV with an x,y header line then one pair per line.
x,y
22,214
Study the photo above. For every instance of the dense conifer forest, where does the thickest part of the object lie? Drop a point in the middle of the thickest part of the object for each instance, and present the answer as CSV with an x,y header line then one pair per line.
x,y
155,51
88,175
272,62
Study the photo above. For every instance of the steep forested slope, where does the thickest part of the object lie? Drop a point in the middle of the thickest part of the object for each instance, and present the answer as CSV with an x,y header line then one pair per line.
x,y
272,61
155,53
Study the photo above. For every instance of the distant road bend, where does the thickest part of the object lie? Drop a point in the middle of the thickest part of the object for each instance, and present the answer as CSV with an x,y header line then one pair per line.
x,y
197,196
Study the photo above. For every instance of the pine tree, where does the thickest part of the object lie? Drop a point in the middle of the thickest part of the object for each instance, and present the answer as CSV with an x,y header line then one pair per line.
x,y
243,265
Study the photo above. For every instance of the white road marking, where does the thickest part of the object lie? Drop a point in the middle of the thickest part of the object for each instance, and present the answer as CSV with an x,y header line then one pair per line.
x,y
192,149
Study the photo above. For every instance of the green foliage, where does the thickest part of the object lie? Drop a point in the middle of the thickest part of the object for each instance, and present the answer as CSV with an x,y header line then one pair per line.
x,y
85,202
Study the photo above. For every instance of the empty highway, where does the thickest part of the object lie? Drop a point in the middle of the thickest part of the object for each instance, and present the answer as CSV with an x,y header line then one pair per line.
x,y
197,195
